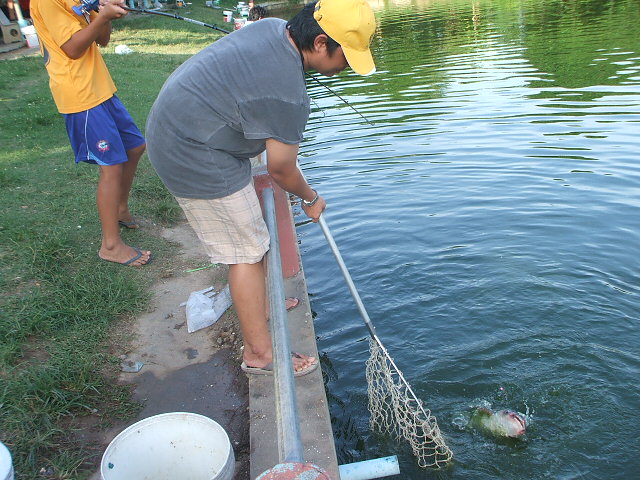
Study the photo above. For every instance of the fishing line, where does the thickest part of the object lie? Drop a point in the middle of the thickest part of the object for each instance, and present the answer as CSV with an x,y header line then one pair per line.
x,y
87,5
190,20
312,77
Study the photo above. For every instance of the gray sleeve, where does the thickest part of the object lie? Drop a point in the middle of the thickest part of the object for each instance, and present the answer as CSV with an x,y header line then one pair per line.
x,y
264,118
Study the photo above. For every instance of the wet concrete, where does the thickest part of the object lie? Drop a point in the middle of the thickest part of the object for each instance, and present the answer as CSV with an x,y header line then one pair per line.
x,y
216,389
188,372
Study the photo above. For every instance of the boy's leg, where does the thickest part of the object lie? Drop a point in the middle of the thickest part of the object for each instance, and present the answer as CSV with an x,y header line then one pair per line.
x,y
134,144
105,135
240,243
248,292
246,284
107,198
129,172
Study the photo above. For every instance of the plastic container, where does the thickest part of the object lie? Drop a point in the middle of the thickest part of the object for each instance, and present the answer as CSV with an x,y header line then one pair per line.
x,y
6,465
228,16
30,34
170,446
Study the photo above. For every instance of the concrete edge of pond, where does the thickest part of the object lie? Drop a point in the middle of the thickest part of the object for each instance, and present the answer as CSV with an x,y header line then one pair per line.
x,y
313,410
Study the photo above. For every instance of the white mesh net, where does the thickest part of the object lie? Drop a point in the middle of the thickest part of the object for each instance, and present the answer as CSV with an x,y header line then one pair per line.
x,y
395,410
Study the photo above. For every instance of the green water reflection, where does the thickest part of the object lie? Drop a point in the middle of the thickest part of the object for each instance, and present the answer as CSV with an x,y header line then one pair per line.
x,y
490,218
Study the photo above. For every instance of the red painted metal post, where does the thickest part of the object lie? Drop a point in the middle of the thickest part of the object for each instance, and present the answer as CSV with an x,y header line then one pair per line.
x,y
284,219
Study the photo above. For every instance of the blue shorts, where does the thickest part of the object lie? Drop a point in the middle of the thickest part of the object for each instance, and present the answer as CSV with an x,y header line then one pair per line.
x,y
103,134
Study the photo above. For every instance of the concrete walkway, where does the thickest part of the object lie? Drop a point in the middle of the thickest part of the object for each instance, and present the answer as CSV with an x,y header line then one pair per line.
x,y
187,372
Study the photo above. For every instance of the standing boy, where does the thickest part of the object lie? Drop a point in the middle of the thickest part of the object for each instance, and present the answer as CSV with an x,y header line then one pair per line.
x,y
100,129
205,126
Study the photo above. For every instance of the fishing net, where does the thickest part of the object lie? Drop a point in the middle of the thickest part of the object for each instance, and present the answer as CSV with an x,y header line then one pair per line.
x,y
394,407
395,410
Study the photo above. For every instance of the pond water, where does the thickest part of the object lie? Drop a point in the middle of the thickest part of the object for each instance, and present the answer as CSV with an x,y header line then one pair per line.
x,y
490,218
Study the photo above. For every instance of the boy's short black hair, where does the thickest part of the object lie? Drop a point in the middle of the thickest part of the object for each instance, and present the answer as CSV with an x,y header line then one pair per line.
x,y
304,29
256,13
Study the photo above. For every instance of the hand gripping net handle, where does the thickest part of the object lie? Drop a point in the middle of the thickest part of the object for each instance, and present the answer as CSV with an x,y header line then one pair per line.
x,y
394,407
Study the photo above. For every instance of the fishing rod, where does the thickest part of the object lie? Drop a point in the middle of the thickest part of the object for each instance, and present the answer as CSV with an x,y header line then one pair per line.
x,y
177,17
88,5
93,5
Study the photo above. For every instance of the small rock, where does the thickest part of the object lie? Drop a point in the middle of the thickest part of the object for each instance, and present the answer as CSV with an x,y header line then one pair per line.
x,y
131,366
47,472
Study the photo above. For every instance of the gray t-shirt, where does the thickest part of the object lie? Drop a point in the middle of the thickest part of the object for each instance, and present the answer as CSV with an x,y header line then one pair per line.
x,y
218,108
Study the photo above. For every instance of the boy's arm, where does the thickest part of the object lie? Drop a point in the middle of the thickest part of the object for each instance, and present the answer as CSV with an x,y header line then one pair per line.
x,y
99,30
105,35
282,165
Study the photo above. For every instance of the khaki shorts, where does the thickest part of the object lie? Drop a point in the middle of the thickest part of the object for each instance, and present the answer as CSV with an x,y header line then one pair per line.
x,y
231,228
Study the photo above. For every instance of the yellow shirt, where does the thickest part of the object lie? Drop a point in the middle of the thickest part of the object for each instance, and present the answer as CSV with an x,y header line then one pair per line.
x,y
76,85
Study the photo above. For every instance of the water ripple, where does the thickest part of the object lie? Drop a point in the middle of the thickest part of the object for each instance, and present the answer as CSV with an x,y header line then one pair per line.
x,y
489,218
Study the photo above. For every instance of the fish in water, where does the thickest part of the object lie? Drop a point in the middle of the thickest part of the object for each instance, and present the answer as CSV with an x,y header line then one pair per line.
x,y
503,423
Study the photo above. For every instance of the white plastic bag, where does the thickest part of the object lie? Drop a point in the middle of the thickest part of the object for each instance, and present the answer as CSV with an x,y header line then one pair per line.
x,y
205,307
123,50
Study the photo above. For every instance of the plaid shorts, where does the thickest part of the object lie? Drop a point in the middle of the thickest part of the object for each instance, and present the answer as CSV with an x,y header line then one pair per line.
x,y
231,228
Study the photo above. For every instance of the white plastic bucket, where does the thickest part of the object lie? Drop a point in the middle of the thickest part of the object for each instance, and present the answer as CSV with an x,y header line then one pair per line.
x,y
6,465
30,34
170,446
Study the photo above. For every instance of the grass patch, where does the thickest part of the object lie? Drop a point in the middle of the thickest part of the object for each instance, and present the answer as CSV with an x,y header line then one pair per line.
x,y
60,307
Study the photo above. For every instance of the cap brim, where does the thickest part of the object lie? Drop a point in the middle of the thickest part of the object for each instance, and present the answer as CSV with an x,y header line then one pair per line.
x,y
360,62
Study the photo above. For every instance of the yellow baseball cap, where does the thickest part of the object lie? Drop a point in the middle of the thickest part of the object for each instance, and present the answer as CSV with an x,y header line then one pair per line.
x,y
351,23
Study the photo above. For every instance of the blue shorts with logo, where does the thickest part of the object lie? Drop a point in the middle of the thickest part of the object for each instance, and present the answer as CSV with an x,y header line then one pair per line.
x,y
103,134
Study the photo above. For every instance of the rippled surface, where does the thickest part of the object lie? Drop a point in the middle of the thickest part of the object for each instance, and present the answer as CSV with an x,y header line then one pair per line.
x,y
490,218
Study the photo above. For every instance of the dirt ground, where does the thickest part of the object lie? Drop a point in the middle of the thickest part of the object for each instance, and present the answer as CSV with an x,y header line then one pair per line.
x,y
19,52
188,372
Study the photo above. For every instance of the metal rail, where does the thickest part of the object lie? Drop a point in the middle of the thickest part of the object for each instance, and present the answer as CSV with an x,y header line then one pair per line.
x,y
289,440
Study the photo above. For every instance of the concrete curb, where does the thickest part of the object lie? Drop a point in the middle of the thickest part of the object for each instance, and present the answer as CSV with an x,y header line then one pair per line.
x,y
315,424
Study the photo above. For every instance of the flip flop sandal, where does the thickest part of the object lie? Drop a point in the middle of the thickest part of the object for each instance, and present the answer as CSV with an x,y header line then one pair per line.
x,y
268,368
133,225
132,259
136,257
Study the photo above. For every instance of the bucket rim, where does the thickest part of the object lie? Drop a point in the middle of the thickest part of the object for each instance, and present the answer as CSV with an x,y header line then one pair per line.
x,y
6,462
159,418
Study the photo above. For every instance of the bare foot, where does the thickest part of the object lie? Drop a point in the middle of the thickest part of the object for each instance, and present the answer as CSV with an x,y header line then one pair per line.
x,y
126,255
301,362
291,303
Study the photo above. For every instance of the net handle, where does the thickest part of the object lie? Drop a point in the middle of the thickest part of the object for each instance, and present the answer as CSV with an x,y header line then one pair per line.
x,y
347,277
363,311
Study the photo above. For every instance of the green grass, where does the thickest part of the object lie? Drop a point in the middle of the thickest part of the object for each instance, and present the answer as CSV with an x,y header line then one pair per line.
x,y
62,311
